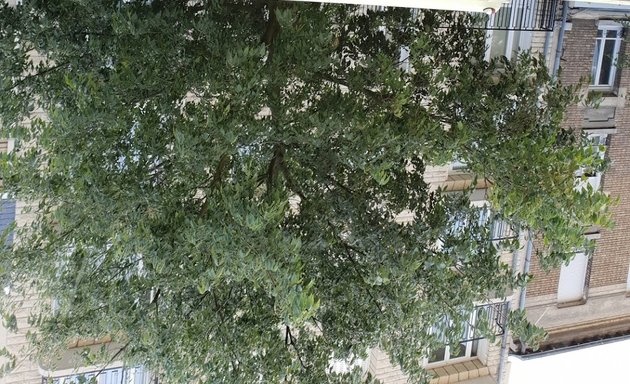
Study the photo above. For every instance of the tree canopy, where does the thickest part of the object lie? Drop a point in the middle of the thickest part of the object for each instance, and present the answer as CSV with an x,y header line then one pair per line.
x,y
215,184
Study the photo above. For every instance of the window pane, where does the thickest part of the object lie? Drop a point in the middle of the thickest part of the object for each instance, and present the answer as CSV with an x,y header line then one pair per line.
x,y
599,33
607,63
595,61
497,46
458,352
611,33
437,355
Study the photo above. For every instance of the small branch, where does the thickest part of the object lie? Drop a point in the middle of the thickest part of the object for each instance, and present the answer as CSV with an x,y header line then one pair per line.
x,y
338,184
292,340
224,161
35,75
112,359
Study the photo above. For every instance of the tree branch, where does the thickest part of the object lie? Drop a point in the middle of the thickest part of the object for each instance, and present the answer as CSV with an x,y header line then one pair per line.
x,y
291,341
35,75
274,166
272,29
121,350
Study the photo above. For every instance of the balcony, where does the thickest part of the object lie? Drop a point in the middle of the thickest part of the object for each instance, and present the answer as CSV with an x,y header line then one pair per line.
x,y
524,15
492,316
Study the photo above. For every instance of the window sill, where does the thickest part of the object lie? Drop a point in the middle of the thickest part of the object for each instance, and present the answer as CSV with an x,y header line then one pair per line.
x,y
602,91
574,303
458,372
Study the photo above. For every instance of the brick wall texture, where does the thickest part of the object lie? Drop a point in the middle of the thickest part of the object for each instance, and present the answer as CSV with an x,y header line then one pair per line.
x,y
611,259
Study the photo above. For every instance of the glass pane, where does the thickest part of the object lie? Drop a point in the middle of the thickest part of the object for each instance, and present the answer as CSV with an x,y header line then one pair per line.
x,y
607,63
595,61
458,350
437,355
611,33
599,33
497,46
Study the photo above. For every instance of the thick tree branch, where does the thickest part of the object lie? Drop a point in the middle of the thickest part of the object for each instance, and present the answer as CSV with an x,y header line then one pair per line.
x,y
274,166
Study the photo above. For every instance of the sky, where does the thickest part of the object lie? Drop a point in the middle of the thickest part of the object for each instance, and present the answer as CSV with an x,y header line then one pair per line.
x,y
604,363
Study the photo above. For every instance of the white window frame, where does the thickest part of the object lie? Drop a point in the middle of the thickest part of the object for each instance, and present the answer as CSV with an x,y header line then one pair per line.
x,y
468,334
605,26
598,139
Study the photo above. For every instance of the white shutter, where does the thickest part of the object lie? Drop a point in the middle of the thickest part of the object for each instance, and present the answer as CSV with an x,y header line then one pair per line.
x,y
572,279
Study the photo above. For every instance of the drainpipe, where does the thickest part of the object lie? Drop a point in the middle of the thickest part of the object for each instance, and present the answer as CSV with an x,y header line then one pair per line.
x,y
528,259
504,337
565,11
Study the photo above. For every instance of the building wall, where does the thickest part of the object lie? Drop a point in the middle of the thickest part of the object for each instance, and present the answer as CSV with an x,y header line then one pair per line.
x,y
26,371
605,309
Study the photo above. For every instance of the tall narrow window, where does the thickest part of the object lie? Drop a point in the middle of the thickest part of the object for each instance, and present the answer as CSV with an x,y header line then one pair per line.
x,y
573,279
7,217
465,349
599,142
607,45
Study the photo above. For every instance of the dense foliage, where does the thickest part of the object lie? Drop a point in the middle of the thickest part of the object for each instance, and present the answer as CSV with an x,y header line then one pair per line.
x,y
215,184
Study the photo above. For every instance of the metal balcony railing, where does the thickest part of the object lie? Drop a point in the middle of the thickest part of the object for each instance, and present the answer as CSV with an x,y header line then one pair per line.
x,y
502,230
493,315
525,15
518,15
499,229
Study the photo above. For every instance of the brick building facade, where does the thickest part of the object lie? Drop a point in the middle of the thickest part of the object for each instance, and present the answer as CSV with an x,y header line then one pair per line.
x,y
602,306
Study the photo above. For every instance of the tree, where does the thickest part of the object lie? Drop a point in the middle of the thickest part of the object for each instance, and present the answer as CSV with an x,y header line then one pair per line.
x,y
215,185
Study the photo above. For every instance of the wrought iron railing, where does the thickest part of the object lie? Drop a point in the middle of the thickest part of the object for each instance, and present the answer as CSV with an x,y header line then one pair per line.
x,y
502,230
518,15
492,316
525,15
499,229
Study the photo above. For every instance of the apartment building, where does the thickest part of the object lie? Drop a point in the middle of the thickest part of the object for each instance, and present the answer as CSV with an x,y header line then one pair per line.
x,y
69,367
577,299
518,25
590,297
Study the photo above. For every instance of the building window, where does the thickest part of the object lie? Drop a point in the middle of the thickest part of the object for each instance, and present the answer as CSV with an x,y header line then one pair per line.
x,y
7,217
135,375
492,317
599,142
512,37
465,349
572,283
607,47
